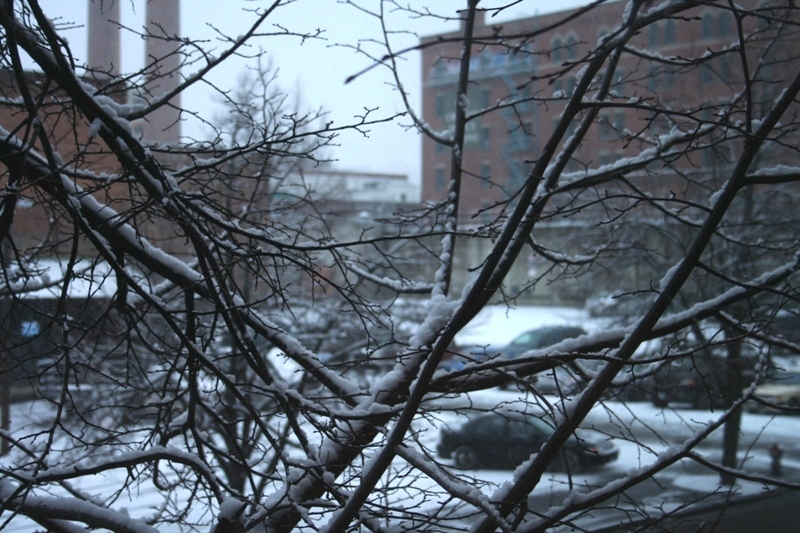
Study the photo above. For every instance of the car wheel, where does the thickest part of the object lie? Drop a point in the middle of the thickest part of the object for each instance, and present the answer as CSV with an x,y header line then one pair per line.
x,y
466,458
794,403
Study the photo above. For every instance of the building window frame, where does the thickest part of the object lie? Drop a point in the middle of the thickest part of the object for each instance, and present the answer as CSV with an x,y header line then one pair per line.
x,y
439,180
670,31
707,25
556,50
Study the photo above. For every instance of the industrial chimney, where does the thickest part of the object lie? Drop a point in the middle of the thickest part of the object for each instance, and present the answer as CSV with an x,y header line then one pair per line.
x,y
163,63
104,41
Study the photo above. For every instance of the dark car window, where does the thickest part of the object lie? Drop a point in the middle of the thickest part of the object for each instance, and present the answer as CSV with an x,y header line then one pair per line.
x,y
529,427
489,426
520,429
557,335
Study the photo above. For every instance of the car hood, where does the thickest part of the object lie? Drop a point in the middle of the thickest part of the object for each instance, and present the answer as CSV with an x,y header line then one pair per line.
x,y
510,351
774,389
588,437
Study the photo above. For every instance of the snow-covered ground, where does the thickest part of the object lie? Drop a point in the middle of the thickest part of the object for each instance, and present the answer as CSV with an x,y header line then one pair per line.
x,y
645,431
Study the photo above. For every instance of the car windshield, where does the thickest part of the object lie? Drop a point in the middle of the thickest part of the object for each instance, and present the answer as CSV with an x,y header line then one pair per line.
x,y
539,338
539,424
529,338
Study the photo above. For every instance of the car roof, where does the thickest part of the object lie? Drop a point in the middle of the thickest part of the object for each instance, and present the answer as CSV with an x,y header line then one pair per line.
x,y
515,415
560,327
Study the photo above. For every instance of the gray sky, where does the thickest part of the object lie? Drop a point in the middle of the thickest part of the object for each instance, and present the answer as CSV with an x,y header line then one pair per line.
x,y
317,68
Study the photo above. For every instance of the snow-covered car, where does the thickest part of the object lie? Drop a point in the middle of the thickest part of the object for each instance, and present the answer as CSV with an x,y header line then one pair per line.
x,y
532,339
535,339
504,440
782,391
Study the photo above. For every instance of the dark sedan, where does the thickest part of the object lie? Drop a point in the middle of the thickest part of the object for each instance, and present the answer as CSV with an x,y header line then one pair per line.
x,y
504,440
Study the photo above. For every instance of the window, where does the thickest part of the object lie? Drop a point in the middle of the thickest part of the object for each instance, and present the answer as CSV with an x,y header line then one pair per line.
x,y
669,32
725,68
619,76
485,137
571,127
652,35
486,214
707,30
669,78
604,132
573,165
29,328
706,74
656,125
708,158
765,16
519,429
484,95
490,426
652,78
724,25
557,50
486,175
571,83
439,105
619,122
558,89
439,183
572,48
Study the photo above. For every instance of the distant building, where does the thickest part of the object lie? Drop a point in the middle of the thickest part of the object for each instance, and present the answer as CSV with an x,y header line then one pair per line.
x,y
529,78
353,187
350,201
162,61
501,145
42,316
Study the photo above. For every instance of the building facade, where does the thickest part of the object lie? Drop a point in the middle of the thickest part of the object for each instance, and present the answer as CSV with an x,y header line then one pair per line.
x,y
523,74
540,74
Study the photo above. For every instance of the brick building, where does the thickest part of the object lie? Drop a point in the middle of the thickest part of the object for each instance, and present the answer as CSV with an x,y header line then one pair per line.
x,y
522,75
542,72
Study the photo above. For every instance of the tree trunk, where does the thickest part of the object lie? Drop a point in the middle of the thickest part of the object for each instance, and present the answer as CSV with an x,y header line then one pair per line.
x,y
733,385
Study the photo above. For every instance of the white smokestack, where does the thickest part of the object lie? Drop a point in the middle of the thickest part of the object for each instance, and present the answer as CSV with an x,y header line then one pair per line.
x,y
163,66
104,40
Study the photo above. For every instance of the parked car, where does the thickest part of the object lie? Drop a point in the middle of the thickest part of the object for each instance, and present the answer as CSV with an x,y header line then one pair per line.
x,y
504,440
697,383
782,390
538,338
532,339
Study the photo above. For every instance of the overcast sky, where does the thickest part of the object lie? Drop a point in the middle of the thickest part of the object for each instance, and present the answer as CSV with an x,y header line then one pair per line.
x,y
317,68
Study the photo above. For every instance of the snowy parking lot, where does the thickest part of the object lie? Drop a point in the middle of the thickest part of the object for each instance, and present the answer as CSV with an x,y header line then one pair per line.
x,y
640,430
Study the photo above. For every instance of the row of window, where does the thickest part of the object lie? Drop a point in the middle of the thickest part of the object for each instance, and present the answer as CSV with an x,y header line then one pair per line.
x,y
610,126
564,49
714,25
719,26
709,158
444,103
